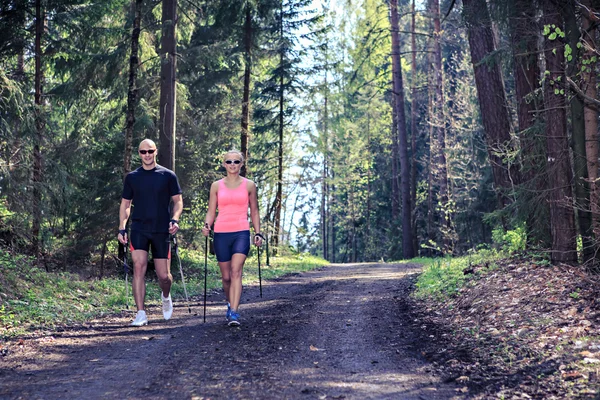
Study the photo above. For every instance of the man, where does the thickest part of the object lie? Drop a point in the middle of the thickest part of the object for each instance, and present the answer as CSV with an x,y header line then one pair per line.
x,y
151,188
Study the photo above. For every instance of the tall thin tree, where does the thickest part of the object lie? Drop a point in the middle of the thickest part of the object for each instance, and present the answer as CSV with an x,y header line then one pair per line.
x,y
580,165
132,91
407,242
168,93
244,136
439,121
589,77
524,40
413,124
39,129
559,168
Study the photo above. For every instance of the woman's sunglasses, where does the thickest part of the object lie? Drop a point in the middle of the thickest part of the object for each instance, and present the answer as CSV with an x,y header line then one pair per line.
x,y
151,151
233,162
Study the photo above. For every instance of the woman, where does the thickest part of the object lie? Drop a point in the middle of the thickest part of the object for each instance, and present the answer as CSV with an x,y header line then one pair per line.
x,y
233,195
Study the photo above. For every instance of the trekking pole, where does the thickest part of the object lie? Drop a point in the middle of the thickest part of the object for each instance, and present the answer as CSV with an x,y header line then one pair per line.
x,y
267,248
259,277
181,272
205,272
126,269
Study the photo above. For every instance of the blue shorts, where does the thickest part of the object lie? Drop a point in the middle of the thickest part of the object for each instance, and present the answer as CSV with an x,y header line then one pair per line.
x,y
229,243
159,242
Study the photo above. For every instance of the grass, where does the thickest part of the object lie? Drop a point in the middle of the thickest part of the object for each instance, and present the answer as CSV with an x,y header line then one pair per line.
x,y
32,299
443,277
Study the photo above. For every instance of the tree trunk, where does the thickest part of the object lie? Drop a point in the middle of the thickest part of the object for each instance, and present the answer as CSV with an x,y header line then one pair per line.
x,y
279,193
491,94
168,94
407,246
395,176
581,183
332,252
413,128
524,40
431,203
244,138
559,168
591,112
366,253
39,129
324,177
440,124
132,91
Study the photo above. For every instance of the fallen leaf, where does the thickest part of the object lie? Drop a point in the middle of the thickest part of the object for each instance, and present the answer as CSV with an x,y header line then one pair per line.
x,y
571,375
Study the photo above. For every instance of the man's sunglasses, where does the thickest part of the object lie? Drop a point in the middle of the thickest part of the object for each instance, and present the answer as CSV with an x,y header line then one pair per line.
x,y
233,162
151,151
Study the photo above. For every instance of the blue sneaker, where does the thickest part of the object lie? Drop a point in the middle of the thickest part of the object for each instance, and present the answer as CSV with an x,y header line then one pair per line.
x,y
234,319
228,312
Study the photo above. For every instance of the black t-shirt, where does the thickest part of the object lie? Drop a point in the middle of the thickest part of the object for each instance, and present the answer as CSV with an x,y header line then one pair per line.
x,y
151,192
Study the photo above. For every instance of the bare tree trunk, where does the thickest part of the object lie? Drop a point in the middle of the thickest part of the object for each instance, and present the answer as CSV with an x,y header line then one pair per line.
x,y
352,242
325,173
279,193
324,207
413,127
332,252
168,93
244,138
442,168
367,243
581,182
491,94
559,168
431,203
395,174
525,47
407,246
132,91
591,113
39,129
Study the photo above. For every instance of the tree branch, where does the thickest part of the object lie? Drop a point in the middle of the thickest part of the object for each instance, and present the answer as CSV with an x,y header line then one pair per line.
x,y
589,100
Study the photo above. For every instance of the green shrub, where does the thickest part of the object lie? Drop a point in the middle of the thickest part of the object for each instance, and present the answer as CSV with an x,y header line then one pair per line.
x,y
443,277
511,241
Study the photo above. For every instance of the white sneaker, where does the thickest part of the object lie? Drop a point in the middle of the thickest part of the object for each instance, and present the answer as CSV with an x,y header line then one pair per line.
x,y
167,306
140,319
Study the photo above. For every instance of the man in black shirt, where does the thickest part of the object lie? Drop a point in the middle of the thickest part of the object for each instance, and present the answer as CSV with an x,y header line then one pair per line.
x,y
151,188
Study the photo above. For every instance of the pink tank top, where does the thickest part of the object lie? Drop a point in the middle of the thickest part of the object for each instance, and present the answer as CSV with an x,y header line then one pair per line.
x,y
233,208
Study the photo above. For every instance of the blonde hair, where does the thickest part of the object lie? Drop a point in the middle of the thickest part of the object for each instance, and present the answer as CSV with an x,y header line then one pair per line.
x,y
233,151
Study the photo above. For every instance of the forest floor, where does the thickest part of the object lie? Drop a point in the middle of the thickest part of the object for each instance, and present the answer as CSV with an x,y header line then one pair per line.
x,y
346,331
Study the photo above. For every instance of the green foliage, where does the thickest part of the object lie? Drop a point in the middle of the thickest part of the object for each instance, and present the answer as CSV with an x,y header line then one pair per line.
x,y
443,277
511,241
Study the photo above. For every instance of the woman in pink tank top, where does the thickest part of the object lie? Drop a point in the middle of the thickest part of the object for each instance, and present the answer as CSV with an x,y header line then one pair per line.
x,y
232,196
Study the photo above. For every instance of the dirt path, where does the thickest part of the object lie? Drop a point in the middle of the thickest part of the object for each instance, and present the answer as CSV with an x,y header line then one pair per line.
x,y
334,333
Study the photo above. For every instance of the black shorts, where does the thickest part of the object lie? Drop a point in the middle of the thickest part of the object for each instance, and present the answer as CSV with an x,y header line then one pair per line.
x,y
229,243
159,242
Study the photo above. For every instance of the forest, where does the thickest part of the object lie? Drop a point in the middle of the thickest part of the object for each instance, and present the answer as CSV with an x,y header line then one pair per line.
x,y
373,129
